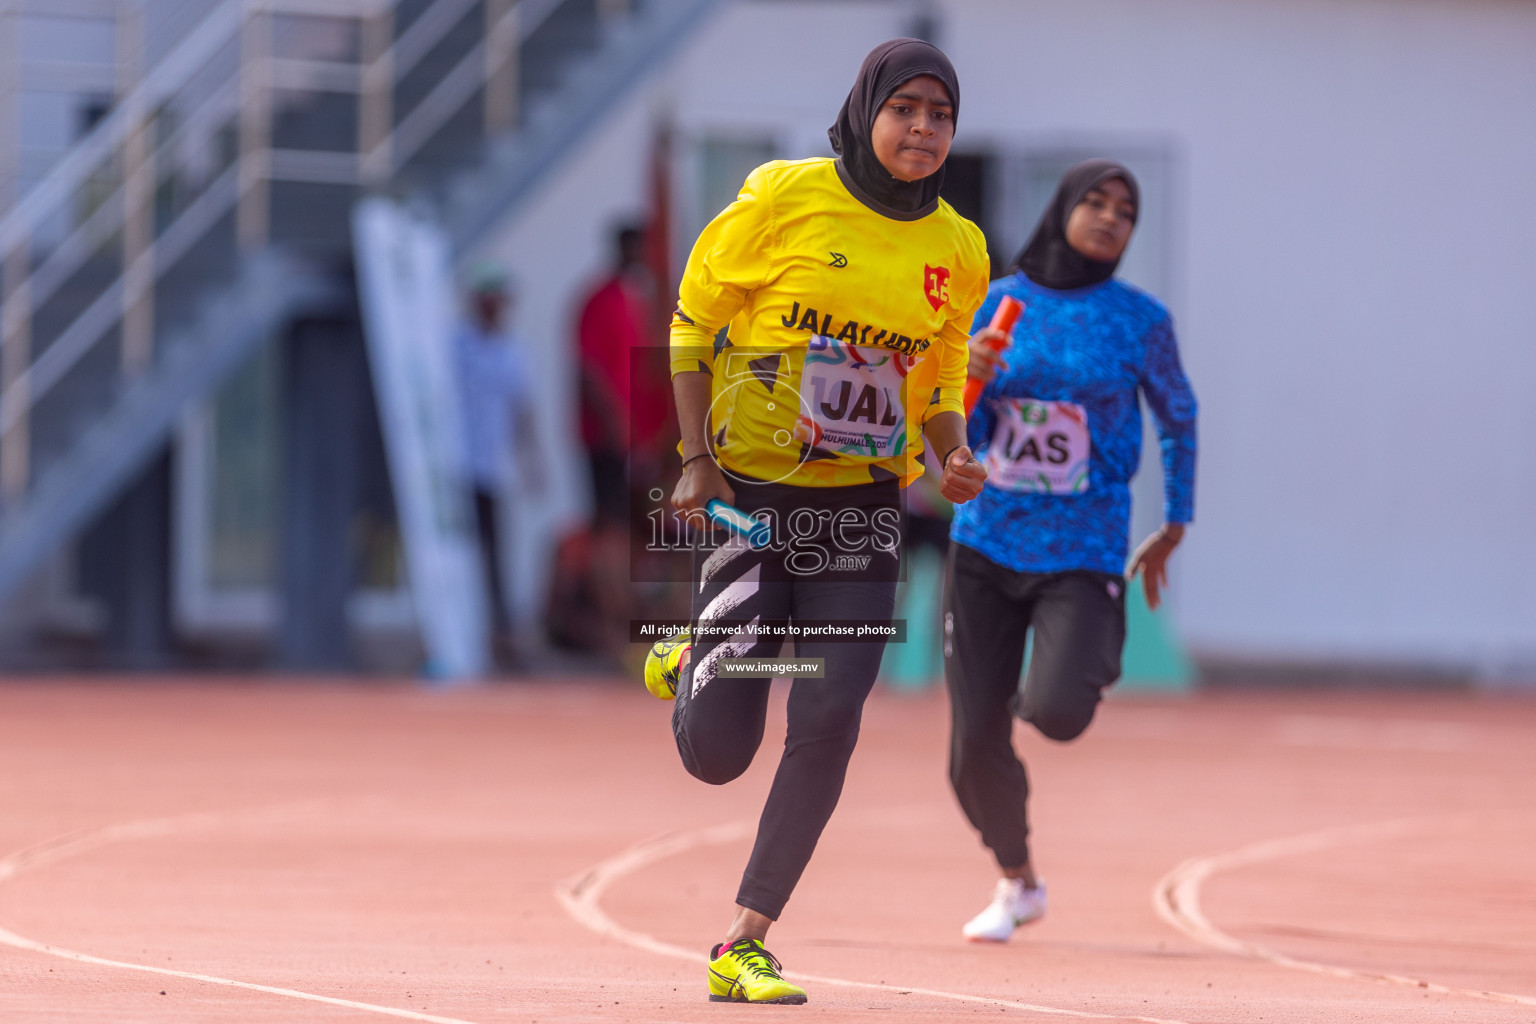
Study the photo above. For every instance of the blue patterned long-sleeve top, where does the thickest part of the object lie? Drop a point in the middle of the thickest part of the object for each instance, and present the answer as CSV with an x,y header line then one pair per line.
x,y
1060,429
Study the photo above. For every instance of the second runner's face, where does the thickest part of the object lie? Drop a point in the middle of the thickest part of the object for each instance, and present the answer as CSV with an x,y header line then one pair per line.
x,y
1100,226
913,130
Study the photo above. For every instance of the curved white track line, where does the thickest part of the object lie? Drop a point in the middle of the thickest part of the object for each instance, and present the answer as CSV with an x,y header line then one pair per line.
x,y
580,895
60,847
1176,898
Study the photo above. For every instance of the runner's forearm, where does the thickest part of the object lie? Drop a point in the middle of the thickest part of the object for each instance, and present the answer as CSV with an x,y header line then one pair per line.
x,y
691,389
945,432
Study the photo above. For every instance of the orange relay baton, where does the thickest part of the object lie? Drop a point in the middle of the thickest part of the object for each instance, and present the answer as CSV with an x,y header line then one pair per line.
x,y
1003,319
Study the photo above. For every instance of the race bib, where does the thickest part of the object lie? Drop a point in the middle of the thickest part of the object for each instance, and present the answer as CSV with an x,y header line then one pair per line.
x,y
853,398
1039,447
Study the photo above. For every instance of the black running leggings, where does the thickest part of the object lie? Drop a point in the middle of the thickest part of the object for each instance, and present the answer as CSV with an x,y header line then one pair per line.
x,y
719,719
1078,621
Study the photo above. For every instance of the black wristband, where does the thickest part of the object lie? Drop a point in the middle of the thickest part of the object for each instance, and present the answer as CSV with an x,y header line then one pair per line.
x,y
945,464
701,455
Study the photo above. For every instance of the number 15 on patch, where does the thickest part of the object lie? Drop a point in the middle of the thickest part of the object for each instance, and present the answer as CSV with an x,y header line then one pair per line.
x,y
936,285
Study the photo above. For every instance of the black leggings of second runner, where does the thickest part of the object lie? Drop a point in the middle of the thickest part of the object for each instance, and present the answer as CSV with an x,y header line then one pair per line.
x,y
719,720
1078,619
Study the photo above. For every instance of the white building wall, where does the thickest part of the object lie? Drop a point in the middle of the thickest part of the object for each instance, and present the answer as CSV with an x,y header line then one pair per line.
x,y
1352,274
1358,308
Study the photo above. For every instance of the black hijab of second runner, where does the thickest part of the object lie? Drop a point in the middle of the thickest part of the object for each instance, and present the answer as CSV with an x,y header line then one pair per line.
x,y
887,67
1047,258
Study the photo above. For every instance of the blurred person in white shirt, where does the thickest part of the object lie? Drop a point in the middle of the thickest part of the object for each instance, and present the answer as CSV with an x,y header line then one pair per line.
x,y
495,391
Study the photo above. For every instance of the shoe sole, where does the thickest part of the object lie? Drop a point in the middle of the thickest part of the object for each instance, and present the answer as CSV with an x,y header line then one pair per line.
x,y
781,1000
990,939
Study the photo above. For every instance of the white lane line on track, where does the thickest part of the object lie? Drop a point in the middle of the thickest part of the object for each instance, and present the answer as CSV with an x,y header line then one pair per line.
x,y
61,847
1391,734
580,897
1176,898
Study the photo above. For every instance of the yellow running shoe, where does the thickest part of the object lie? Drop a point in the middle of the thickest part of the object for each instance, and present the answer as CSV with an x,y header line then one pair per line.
x,y
745,972
663,664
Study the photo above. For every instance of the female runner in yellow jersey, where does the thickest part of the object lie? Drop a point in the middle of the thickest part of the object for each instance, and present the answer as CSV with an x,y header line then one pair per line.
x,y
846,289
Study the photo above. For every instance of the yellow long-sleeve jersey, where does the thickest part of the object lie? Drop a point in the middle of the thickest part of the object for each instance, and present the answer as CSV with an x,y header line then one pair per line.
x,y
846,328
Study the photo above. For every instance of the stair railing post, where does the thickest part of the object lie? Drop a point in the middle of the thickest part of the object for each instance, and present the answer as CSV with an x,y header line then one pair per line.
x,y
10,107
501,66
255,157
15,271
15,358
376,104
138,202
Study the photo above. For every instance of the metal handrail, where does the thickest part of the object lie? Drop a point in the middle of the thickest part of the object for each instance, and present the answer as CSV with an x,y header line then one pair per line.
x,y
70,254
202,44
455,87
424,33
168,79
77,339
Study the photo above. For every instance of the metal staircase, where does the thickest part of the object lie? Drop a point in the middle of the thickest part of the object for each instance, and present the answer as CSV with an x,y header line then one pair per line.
x,y
199,216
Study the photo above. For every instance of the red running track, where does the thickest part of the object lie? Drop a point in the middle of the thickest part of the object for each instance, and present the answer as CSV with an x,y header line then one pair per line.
x,y
317,852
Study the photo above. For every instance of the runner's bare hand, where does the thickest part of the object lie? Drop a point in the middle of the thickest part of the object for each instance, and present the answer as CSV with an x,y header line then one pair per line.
x,y
701,481
963,476
1151,561
986,360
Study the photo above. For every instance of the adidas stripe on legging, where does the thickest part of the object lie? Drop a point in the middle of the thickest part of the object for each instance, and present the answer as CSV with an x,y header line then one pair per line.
x,y
719,719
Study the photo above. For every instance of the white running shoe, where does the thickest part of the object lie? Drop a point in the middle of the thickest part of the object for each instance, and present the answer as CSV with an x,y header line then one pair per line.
x,y
1012,905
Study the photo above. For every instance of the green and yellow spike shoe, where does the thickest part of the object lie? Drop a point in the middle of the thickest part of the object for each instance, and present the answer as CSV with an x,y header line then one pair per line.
x,y
745,972
663,665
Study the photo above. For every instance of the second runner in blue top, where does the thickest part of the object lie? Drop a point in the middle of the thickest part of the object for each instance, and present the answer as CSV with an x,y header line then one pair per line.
x,y
1059,430
1042,550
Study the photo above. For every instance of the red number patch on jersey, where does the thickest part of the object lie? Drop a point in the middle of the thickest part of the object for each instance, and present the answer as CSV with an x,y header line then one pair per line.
x,y
936,285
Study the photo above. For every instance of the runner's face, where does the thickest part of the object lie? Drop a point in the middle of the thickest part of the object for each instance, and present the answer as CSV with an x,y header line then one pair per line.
x,y
913,130
1100,226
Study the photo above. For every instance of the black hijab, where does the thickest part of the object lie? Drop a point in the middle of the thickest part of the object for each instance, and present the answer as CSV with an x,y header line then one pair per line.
x,y
887,66
1047,258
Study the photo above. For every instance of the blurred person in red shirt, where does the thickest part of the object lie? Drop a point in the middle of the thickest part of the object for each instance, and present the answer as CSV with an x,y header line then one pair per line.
x,y
622,409
623,389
